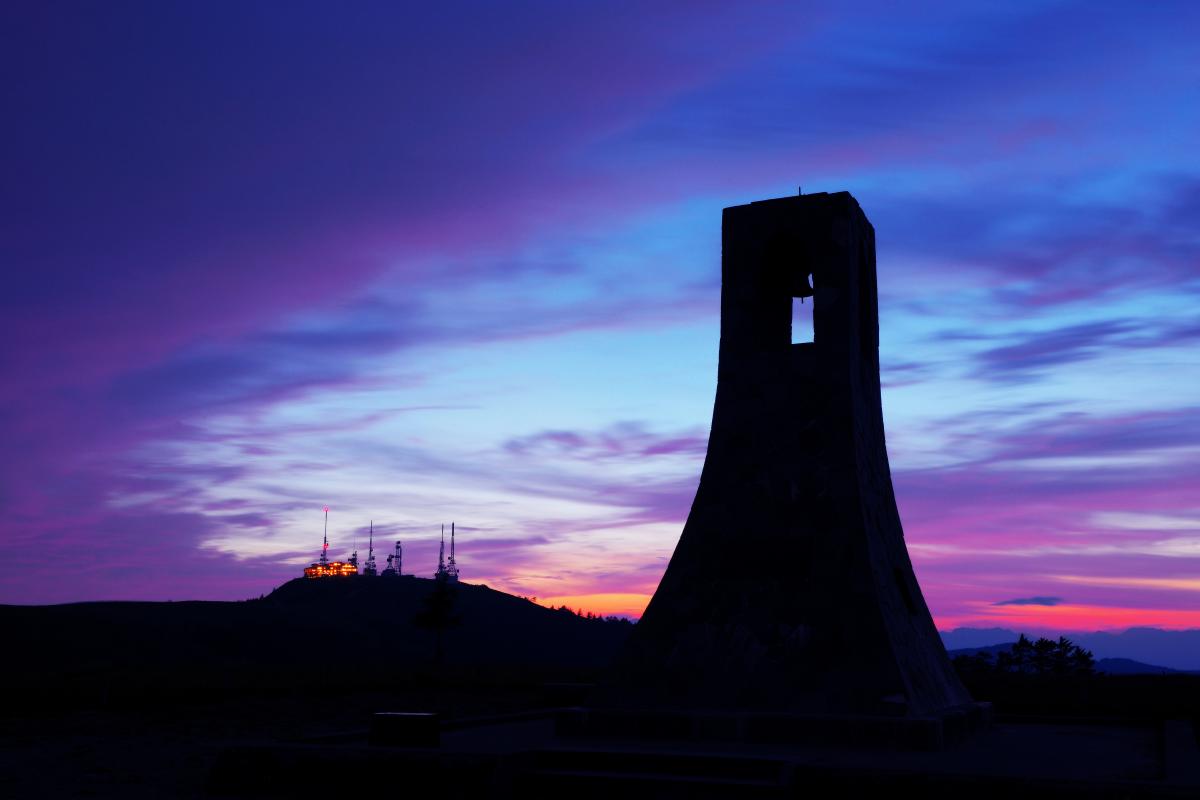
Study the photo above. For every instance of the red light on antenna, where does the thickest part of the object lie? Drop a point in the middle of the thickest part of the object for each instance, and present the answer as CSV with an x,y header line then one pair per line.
x,y
326,509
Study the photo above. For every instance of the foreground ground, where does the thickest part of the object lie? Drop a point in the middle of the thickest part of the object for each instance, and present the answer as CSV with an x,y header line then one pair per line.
x,y
149,700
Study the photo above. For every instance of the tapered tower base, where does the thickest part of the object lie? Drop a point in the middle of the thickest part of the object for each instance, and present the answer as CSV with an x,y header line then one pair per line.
x,y
790,590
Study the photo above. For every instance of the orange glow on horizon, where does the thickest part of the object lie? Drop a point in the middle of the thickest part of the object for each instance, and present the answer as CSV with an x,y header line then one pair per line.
x,y
630,604
1065,617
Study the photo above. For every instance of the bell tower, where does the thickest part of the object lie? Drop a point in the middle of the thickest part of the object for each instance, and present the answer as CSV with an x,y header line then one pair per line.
x,y
791,588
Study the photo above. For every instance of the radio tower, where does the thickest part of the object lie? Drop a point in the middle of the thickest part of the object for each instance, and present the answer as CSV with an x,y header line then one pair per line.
x,y
325,544
397,557
451,565
441,570
369,568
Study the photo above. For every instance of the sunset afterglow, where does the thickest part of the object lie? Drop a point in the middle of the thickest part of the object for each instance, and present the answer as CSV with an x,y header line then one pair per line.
x,y
470,273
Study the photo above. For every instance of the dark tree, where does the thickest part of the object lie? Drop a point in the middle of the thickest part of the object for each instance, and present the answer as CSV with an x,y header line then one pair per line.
x,y
1043,658
438,616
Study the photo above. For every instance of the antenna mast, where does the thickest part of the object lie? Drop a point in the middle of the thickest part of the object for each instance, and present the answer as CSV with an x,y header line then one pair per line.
x,y
325,544
452,565
369,569
441,569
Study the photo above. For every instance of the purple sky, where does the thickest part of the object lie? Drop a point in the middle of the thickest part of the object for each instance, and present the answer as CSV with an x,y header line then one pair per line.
x,y
463,264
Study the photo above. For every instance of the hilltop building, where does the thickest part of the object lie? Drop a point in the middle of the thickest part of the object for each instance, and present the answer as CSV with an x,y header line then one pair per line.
x,y
324,568
332,569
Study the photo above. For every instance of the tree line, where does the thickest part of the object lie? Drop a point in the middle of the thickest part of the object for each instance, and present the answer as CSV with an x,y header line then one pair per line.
x,y
1042,658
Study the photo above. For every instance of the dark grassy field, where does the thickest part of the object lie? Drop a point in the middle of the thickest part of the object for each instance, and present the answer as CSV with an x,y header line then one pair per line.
x,y
136,699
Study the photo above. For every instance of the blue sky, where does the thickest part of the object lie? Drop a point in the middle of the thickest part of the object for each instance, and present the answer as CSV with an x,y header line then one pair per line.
x,y
462,263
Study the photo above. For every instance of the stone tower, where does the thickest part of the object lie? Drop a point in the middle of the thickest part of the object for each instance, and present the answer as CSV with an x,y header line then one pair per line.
x,y
791,588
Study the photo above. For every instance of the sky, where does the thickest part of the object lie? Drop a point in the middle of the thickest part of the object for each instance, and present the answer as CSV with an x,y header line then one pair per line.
x,y
461,262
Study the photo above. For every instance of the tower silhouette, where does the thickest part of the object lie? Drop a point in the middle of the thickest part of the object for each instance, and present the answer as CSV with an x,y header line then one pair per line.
x,y
440,574
791,587
370,569
452,562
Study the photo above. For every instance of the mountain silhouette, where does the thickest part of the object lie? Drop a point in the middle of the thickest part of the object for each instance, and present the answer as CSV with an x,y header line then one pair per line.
x,y
362,631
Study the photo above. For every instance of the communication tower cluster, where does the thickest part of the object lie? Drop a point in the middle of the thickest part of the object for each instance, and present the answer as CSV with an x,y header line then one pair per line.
x,y
447,569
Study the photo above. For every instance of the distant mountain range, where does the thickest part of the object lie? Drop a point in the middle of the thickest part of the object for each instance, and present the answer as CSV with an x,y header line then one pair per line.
x,y
1128,652
1111,666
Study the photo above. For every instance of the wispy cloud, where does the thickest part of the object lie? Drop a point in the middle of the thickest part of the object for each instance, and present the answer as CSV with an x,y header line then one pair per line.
x,y
623,440
1166,584
259,267
1030,601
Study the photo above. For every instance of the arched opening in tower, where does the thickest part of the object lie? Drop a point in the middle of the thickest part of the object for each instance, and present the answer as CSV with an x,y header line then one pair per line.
x,y
802,316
